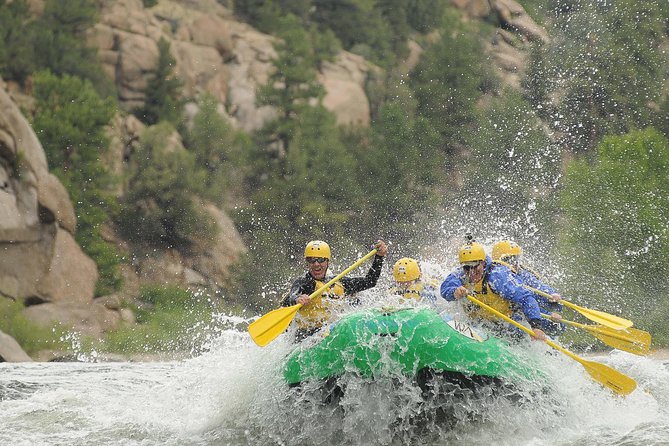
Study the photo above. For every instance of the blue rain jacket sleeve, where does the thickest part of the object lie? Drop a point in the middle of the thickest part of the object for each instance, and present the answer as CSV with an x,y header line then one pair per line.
x,y
450,283
528,278
503,282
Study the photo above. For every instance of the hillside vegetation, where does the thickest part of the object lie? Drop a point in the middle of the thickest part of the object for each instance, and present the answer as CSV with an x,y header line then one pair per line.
x,y
573,164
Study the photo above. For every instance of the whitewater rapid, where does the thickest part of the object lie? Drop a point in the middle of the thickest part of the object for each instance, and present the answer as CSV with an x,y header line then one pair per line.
x,y
233,394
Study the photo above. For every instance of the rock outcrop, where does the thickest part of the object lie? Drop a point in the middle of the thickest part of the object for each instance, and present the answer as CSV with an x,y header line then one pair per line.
x,y
508,47
40,260
11,351
214,53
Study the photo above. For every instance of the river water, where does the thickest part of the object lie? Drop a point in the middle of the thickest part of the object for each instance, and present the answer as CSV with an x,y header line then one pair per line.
x,y
233,395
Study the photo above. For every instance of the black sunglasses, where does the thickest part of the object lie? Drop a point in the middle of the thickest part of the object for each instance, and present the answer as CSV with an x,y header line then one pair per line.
x,y
468,267
316,259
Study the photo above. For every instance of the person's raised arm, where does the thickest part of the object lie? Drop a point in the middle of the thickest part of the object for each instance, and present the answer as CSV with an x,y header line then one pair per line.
x,y
353,285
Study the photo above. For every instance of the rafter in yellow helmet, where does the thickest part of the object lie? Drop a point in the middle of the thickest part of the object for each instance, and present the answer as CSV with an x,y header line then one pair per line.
x,y
406,270
504,249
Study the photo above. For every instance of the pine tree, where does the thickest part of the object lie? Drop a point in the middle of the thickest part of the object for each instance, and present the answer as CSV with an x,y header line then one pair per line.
x,y
292,87
447,82
60,43
70,119
162,95
219,149
17,34
158,207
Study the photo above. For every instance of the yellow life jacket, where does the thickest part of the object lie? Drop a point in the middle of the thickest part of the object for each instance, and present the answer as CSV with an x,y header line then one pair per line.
x,y
419,291
411,292
321,309
485,294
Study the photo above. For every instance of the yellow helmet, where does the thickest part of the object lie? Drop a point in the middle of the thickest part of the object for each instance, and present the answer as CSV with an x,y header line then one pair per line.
x,y
406,270
504,249
471,252
317,248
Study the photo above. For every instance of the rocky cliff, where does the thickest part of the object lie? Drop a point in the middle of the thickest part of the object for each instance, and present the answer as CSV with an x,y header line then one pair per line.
x,y
41,263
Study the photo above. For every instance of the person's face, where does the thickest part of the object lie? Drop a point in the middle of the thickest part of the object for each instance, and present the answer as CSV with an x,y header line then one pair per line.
x,y
318,266
473,272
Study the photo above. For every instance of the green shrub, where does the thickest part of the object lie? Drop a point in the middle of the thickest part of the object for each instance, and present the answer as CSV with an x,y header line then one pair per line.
x,y
167,298
30,336
169,320
163,91
425,15
159,210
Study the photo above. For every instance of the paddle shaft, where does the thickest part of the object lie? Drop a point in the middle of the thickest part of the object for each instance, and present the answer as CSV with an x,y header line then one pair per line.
x,y
593,329
605,375
615,322
320,291
502,315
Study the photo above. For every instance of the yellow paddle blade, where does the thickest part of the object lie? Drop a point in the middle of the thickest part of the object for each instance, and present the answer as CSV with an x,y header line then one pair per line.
x,y
609,320
608,377
630,340
605,375
266,328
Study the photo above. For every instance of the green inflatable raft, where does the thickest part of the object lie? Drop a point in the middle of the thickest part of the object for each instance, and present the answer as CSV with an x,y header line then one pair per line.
x,y
415,342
